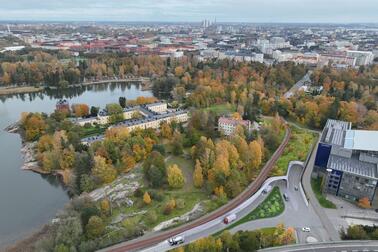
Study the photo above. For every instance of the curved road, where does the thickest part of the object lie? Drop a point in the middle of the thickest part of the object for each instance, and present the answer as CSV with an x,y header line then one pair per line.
x,y
154,238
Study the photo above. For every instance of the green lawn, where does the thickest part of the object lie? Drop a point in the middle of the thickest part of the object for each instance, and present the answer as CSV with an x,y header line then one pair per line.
x,y
299,146
92,131
221,109
272,206
316,185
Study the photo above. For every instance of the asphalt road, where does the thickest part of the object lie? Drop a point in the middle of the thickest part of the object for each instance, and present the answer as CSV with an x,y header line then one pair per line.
x,y
209,220
306,181
297,214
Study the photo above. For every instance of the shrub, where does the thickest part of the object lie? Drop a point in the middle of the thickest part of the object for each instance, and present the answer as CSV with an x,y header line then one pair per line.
x,y
151,217
95,227
157,195
171,204
180,204
139,192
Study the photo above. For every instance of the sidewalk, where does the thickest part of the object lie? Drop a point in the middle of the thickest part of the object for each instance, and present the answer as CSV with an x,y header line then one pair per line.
x,y
306,181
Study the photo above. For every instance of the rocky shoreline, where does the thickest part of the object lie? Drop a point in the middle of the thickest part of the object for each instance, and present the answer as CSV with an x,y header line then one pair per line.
x,y
27,151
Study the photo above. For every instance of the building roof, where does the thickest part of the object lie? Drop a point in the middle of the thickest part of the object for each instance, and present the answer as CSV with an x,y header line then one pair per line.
x,y
234,122
334,132
352,165
365,140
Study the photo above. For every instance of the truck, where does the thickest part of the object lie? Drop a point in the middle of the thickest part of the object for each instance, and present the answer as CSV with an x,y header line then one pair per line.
x,y
176,240
230,218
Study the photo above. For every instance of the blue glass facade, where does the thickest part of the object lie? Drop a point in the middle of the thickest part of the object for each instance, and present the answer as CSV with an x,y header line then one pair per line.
x,y
322,155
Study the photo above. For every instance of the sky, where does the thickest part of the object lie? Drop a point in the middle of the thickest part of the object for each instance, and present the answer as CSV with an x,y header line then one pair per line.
x,y
292,11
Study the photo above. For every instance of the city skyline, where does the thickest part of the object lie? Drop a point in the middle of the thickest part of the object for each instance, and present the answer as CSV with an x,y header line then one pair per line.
x,y
271,11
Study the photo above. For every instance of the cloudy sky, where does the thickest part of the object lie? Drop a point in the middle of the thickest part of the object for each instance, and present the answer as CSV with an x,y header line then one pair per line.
x,y
341,11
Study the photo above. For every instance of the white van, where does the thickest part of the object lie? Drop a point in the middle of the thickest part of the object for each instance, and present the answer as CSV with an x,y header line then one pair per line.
x,y
176,240
229,218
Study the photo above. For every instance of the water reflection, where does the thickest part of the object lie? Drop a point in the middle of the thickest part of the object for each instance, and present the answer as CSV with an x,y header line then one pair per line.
x,y
69,93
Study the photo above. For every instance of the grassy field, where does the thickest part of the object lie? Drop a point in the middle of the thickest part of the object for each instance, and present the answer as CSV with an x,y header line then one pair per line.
x,y
299,146
316,185
221,109
187,167
272,206
92,131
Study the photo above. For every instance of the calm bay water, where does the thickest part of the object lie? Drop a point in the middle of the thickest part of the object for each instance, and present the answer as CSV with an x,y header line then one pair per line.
x,y
28,200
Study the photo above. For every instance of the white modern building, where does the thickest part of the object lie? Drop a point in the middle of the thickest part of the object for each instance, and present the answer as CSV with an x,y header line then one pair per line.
x,y
363,58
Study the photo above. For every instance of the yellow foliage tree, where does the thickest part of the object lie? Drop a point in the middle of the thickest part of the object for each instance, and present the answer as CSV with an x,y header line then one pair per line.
x,y
128,162
175,177
105,206
80,110
147,198
166,130
219,191
256,157
104,171
197,175
117,134
221,165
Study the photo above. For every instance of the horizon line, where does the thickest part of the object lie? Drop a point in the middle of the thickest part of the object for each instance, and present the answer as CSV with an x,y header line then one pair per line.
x,y
188,22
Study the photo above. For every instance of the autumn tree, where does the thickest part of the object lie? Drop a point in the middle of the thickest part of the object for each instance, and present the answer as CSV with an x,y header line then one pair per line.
x,y
146,198
128,162
80,109
95,227
166,130
103,171
175,177
256,157
105,207
34,126
198,175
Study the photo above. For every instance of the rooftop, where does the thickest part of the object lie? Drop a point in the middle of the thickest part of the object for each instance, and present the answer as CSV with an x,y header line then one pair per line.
x,y
366,140
234,122
352,165
334,132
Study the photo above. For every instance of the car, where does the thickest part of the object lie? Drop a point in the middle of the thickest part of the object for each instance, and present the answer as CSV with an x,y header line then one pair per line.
x,y
296,188
306,229
176,240
286,197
